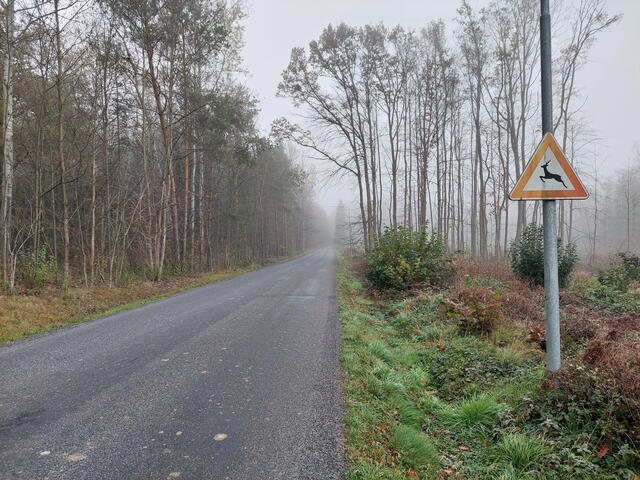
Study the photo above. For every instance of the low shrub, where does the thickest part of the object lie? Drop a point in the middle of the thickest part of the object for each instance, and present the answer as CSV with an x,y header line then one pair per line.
x,y
567,261
623,271
37,269
476,310
403,259
490,271
527,257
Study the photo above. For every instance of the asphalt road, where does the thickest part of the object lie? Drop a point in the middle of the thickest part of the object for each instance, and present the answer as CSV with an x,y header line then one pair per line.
x,y
235,380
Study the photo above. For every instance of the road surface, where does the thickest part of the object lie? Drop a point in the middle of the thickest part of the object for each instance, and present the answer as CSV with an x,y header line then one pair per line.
x,y
235,380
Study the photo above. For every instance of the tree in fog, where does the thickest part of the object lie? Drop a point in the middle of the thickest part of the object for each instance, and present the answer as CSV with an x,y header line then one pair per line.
x,y
446,125
130,146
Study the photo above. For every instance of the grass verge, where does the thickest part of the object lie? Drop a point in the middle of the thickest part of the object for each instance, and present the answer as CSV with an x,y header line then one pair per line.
x,y
425,401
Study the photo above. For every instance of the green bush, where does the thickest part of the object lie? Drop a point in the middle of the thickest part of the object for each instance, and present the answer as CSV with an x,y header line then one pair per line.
x,y
402,259
624,269
527,257
567,261
38,269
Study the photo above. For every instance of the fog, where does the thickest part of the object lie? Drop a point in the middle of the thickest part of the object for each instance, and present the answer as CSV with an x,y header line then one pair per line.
x,y
609,83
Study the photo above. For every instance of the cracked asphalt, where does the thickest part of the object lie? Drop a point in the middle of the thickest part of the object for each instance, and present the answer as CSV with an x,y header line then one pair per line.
x,y
235,380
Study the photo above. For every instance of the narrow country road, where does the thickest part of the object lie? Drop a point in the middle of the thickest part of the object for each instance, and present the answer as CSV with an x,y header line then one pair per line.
x,y
235,380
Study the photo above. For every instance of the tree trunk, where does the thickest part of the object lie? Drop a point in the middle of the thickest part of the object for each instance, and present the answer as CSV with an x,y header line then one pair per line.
x,y
7,124
61,159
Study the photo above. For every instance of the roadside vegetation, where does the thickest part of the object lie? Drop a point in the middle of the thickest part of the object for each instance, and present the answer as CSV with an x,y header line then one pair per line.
x,y
446,379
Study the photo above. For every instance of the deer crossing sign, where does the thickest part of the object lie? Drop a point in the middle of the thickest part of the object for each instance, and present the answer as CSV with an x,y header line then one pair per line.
x,y
549,176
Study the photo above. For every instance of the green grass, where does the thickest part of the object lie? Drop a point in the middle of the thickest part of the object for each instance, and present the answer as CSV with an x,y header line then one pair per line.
x,y
415,448
409,414
520,451
480,411
425,402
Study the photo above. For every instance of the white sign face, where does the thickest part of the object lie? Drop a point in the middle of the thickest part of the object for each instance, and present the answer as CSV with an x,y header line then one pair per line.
x,y
549,176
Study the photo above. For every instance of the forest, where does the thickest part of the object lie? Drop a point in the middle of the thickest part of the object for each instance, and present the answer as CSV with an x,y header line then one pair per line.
x,y
434,126
130,145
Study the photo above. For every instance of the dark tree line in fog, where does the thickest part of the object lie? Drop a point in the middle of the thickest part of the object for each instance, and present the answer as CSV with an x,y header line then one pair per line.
x,y
129,144
434,126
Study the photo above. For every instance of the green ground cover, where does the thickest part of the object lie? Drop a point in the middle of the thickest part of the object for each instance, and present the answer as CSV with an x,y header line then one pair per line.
x,y
425,400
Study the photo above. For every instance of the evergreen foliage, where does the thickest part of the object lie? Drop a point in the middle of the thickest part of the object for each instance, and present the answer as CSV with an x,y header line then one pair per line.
x,y
402,259
527,257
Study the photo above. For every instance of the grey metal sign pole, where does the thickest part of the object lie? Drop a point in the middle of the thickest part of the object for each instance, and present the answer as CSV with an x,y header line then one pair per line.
x,y
549,212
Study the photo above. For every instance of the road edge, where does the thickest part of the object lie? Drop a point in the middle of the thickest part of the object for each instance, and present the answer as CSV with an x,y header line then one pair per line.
x,y
197,283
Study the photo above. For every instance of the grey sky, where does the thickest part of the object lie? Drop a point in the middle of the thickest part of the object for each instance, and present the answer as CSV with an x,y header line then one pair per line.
x,y
610,83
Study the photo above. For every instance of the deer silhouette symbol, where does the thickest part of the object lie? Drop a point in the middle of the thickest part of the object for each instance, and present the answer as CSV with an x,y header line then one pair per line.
x,y
548,175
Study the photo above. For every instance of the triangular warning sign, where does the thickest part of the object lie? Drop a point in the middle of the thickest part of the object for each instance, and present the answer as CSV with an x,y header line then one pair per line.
x,y
549,176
